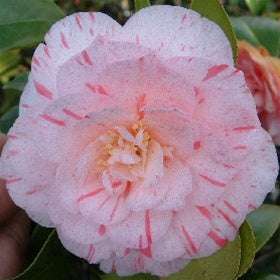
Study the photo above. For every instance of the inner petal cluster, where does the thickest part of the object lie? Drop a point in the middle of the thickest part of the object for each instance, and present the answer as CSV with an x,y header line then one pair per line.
x,y
130,155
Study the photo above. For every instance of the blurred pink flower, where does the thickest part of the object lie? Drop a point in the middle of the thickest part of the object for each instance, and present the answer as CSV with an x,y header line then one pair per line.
x,y
262,73
140,144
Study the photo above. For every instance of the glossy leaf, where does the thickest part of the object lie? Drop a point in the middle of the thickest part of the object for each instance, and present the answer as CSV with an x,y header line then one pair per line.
x,y
18,83
256,7
140,4
8,59
8,119
215,11
52,262
264,222
259,31
141,276
23,23
223,265
37,240
248,248
9,99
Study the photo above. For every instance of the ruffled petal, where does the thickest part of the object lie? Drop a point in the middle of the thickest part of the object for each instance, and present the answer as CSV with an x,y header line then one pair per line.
x,y
175,31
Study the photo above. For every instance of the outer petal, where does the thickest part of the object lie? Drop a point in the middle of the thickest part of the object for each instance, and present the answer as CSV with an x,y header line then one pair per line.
x,y
168,248
221,94
65,39
247,191
28,184
76,75
140,229
94,252
192,231
175,31
82,229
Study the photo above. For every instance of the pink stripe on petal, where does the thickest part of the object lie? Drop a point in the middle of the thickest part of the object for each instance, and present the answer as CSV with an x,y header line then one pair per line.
x,y
36,61
102,230
52,120
230,206
227,218
201,101
72,114
115,208
148,226
64,41
127,189
12,153
78,21
90,194
147,251
241,147
92,16
212,181
90,253
86,57
11,136
196,145
31,192
79,61
127,251
26,106
189,239
91,87
43,90
244,128
184,17
116,184
47,51
196,90
205,212
221,242
214,71
12,180
252,206
102,91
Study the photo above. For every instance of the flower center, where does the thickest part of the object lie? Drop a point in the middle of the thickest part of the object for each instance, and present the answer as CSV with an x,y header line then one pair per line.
x,y
130,156
123,146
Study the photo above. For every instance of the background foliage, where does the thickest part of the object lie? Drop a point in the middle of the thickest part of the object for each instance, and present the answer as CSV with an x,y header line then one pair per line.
x,y
255,254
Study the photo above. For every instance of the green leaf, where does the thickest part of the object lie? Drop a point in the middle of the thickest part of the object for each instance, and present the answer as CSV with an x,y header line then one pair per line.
x,y
8,100
256,7
264,222
263,276
37,240
8,59
215,11
52,262
259,31
248,248
113,276
140,4
23,23
8,119
18,83
223,265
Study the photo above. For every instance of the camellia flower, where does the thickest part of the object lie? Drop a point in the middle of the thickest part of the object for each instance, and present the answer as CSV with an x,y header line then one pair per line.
x,y
140,144
262,73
